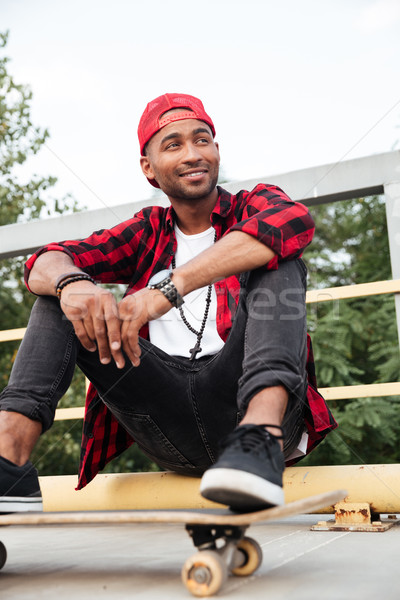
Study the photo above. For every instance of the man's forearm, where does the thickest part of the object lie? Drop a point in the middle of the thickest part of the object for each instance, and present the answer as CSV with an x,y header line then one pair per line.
x,y
47,269
235,253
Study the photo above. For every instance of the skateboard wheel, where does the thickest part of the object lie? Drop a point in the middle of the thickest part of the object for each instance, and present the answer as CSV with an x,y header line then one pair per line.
x,y
252,553
3,555
204,573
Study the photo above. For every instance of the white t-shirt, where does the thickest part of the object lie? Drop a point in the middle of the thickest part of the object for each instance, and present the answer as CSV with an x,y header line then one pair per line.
x,y
169,332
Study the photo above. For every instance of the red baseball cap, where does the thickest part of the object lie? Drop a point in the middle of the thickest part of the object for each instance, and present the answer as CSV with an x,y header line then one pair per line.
x,y
151,120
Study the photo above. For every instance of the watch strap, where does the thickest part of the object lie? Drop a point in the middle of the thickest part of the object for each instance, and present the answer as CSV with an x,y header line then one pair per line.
x,y
167,287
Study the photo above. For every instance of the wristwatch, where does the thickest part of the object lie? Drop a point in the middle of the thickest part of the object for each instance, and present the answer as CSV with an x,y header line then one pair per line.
x,y
162,281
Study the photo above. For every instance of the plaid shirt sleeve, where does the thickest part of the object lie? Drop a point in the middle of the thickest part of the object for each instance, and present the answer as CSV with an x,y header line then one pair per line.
x,y
108,255
281,224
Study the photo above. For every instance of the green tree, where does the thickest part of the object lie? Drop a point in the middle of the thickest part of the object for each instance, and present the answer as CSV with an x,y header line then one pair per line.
x,y
355,341
21,201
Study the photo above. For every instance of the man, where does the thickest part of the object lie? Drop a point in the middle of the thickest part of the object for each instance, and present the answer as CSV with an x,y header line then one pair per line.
x,y
210,335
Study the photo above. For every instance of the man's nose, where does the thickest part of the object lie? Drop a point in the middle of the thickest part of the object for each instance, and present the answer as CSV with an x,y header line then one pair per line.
x,y
192,153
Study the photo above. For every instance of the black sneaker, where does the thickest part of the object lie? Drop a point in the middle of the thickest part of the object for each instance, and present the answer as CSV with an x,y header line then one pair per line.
x,y
19,488
248,473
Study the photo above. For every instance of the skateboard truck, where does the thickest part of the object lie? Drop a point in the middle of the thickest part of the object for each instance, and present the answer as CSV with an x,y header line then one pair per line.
x,y
222,550
206,536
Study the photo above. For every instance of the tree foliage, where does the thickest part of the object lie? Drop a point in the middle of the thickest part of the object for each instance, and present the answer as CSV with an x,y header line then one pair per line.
x,y
355,341
22,200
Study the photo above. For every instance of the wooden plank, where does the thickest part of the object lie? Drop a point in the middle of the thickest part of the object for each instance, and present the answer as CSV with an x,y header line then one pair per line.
x,y
66,414
361,391
354,291
323,295
333,393
8,335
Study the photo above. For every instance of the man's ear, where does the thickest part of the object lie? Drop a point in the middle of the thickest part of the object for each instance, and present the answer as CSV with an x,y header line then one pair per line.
x,y
217,147
146,167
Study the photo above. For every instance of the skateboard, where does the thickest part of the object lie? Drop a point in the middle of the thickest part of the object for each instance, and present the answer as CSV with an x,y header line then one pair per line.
x,y
218,534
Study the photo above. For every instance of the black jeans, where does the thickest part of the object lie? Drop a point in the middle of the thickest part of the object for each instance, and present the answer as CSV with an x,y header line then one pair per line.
x,y
178,410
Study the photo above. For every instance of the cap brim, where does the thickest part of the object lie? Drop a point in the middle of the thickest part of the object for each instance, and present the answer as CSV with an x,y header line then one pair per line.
x,y
153,183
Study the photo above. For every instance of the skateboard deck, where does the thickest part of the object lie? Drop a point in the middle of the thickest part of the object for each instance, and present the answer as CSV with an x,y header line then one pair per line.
x,y
218,534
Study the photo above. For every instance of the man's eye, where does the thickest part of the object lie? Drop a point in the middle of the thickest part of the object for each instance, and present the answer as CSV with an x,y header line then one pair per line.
x,y
203,140
172,145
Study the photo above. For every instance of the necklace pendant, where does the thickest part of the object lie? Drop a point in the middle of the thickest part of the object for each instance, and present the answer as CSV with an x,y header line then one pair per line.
x,y
194,351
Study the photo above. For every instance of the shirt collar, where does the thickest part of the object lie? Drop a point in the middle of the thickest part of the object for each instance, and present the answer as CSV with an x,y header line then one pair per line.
x,y
222,208
169,219
224,204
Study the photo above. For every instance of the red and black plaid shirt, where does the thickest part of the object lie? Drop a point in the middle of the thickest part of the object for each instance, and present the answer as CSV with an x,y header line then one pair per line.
x,y
131,252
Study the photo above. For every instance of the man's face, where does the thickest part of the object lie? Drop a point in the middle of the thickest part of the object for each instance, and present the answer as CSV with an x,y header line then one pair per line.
x,y
184,159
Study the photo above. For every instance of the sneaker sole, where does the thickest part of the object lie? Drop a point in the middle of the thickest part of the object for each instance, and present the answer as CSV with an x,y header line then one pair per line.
x,y
240,490
17,504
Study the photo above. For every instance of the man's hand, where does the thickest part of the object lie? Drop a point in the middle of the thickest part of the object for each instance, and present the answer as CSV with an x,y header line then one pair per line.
x,y
93,313
135,311
98,320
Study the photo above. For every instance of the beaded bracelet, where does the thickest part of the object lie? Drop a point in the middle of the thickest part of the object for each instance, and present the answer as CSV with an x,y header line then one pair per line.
x,y
61,278
71,279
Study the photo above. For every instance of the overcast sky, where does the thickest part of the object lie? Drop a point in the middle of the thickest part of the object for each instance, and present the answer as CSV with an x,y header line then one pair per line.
x,y
289,84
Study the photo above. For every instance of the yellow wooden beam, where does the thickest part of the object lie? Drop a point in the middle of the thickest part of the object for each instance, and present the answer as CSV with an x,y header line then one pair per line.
x,y
379,485
334,393
323,295
360,391
66,414
354,291
9,335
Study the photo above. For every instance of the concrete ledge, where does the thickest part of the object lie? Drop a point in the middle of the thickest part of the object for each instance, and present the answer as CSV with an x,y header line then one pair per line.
x,y
379,485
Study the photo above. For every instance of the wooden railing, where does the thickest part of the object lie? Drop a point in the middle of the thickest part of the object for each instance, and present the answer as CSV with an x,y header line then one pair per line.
x,y
313,296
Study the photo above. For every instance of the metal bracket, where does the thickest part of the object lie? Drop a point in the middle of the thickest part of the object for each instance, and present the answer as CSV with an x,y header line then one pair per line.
x,y
355,517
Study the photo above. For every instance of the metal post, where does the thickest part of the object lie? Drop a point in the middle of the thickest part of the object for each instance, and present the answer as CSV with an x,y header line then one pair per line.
x,y
392,194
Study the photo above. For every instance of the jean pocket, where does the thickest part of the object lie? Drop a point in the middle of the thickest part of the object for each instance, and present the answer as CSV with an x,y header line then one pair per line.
x,y
152,441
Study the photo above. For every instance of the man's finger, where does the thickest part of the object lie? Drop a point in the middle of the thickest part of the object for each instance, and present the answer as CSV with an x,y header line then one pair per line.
x,y
113,325
83,337
130,342
106,325
100,332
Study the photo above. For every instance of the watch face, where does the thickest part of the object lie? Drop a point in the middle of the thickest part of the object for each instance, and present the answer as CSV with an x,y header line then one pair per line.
x,y
159,277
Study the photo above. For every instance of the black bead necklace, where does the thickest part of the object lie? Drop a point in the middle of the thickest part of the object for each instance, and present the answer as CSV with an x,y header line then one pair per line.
x,y
197,348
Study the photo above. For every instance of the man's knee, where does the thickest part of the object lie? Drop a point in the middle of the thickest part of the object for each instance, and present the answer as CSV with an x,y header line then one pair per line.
x,y
46,304
281,292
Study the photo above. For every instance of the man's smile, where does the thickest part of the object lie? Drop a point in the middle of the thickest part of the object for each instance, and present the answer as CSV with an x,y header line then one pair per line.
x,y
194,173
